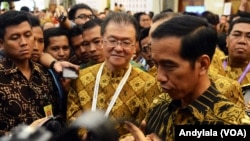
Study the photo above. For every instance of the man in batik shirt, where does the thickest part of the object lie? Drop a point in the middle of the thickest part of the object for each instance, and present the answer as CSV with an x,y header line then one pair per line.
x,y
230,88
236,65
182,48
26,88
115,86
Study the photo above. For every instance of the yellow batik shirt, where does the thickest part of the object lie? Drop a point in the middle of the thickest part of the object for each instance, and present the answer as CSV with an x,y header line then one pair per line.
x,y
153,71
229,87
232,73
218,55
211,108
132,103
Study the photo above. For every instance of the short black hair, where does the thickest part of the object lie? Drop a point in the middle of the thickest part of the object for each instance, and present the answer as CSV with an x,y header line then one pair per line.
x,y
76,7
25,9
198,37
75,31
237,21
138,15
34,20
143,34
210,17
92,23
52,32
11,18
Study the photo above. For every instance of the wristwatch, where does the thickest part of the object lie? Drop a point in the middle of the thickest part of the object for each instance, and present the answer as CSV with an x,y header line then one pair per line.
x,y
51,66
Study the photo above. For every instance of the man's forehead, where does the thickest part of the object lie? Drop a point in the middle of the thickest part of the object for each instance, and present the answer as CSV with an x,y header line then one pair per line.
x,y
77,38
112,29
95,29
16,28
120,23
239,25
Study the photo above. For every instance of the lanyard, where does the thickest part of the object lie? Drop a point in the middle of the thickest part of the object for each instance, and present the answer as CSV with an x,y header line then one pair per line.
x,y
116,94
243,73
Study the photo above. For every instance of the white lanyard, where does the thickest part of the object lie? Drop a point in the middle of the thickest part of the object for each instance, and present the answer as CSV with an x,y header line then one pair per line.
x,y
116,94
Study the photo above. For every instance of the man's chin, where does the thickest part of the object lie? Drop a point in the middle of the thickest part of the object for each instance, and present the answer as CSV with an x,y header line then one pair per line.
x,y
34,59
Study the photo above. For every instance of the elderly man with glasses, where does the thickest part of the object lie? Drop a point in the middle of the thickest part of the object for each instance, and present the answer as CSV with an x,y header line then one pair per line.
x,y
114,86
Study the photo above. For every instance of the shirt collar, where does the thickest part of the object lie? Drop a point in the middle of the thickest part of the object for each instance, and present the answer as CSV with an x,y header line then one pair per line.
x,y
202,104
117,73
10,67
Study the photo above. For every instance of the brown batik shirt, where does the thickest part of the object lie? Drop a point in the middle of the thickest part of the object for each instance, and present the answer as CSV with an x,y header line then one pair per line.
x,y
22,100
211,108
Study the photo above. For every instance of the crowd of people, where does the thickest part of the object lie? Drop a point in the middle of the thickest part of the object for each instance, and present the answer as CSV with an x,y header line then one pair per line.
x,y
146,72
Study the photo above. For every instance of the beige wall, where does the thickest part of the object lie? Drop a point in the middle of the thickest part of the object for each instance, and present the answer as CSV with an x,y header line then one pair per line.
x,y
155,5
215,6
98,5
175,8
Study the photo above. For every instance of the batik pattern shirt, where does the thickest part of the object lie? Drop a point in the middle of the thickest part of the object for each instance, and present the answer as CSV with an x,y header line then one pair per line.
x,y
211,108
131,104
218,55
22,100
153,71
228,71
230,88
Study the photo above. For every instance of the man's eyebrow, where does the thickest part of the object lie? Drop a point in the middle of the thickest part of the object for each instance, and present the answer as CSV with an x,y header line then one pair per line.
x,y
97,38
117,38
166,61
239,31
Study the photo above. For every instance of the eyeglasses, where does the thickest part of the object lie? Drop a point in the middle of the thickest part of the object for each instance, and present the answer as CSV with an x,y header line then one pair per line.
x,y
146,48
145,20
84,17
122,43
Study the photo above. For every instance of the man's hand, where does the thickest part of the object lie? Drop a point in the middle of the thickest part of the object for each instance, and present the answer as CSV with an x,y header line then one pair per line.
x,y
60,10
143,126
47,60
59,65
138,134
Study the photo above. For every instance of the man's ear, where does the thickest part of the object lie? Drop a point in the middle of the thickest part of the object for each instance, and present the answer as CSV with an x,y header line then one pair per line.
x,y
204,63
227,39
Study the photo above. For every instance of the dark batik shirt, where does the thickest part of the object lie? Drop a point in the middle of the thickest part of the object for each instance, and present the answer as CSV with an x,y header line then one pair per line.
x,y
22,100
211,108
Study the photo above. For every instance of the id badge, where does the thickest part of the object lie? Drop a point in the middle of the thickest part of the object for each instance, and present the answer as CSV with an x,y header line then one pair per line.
x,y
48,110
